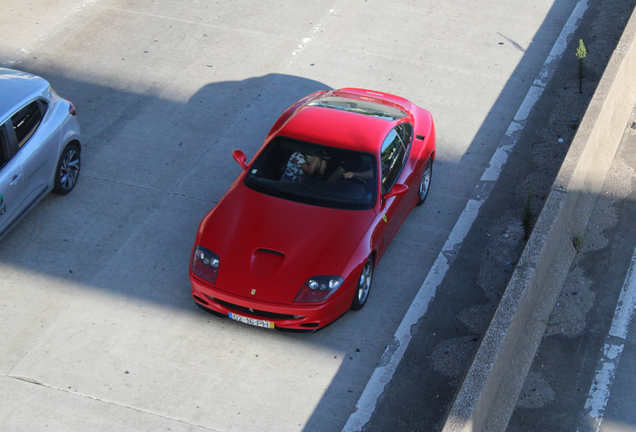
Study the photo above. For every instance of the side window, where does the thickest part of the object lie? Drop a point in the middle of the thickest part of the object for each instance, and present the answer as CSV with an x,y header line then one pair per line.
x,y
406,132
394,152
26,121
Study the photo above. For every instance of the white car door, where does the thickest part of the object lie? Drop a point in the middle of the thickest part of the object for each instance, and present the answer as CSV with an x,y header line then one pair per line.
x,y
11,185
38,139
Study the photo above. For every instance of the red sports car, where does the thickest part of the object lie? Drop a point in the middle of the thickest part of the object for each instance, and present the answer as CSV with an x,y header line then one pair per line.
x,y
293,243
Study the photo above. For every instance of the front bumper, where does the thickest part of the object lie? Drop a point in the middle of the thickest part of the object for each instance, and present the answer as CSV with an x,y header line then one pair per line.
x,y
305,317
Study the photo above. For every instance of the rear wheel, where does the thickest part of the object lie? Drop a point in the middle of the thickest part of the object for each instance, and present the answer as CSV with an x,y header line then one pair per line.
x,y
425,184
68,169
364,286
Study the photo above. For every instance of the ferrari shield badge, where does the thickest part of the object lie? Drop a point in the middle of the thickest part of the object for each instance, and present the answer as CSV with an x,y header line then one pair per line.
x,y
384,218
253,292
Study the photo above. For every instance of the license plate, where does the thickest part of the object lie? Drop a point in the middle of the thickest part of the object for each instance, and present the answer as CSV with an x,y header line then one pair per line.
x,y
251,321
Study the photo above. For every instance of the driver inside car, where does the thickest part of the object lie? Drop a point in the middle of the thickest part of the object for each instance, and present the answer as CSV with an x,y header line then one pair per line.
x,y
353,167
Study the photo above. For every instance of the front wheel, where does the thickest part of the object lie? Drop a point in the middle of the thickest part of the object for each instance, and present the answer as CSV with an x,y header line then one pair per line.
x,y
425,184
68,169
364,286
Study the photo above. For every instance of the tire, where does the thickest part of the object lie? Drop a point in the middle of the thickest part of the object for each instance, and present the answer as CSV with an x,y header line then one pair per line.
x,y
425,183
68,169
364,286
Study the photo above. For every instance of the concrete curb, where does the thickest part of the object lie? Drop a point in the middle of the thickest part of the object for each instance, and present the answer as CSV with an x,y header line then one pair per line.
x,y
489,392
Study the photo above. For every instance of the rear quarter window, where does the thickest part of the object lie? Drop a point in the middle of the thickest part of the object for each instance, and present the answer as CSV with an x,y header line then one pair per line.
x,y
26,121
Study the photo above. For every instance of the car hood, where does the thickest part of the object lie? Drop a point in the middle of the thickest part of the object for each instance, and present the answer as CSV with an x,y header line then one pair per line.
x,y
268,247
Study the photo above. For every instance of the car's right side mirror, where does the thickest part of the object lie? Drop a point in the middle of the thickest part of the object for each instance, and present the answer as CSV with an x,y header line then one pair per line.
x,y
240,157
397,189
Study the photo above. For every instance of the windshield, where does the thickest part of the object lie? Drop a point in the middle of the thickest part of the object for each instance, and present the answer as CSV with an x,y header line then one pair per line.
x,y
317,175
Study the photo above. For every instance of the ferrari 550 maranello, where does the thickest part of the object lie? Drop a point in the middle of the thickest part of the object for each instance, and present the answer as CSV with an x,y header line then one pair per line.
x,y
294,242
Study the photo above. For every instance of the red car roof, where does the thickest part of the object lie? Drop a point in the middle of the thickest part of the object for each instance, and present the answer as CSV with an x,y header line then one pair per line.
x,y
337,128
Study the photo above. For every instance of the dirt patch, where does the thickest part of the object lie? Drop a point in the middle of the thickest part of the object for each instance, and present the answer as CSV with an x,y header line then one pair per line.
x,y
536,392
575,301
452,356
618,185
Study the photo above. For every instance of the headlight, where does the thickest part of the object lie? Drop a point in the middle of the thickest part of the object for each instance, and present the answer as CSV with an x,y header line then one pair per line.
x,y
318,289
205,264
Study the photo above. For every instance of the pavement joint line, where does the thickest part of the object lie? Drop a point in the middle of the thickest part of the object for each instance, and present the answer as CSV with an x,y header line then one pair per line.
x,y
148,188
185,21
599,393
32,381
382,375
121,183
29,380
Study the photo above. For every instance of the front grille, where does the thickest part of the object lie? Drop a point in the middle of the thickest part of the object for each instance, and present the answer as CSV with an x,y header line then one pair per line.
x,y
259,313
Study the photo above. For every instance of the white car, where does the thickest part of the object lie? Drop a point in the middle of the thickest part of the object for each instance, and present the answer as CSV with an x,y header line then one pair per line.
x,y
39,144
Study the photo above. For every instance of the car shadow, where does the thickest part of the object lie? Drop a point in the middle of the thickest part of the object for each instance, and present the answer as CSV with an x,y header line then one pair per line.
x,y
140,153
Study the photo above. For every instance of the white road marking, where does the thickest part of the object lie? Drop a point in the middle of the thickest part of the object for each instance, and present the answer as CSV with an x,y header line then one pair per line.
x,y
599,393
366,405
497,162
626,303
533,95
313,32
461,228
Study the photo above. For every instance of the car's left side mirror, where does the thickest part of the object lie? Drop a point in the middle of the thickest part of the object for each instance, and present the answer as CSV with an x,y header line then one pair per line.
x,y
239,156
397,189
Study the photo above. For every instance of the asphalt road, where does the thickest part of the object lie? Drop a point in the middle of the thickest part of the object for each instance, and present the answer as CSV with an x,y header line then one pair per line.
x,y
99,330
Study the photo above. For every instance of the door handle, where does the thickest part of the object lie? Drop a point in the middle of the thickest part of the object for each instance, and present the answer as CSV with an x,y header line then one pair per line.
x,y
15,179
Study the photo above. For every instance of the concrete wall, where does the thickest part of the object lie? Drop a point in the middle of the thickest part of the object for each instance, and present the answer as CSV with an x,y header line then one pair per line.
x,y
489,392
